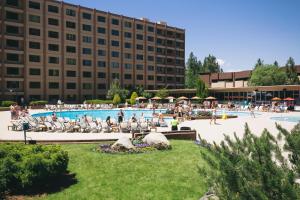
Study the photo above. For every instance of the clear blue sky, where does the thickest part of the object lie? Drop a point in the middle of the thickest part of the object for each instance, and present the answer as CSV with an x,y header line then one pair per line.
x,y
238,32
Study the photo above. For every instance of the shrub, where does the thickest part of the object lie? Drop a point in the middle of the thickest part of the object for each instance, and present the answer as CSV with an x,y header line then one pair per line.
x,y
116,99
134,95
35,103
98,101
7,103
26,167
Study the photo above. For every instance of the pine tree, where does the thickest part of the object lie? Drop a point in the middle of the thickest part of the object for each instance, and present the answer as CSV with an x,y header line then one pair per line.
x,y
292,76
259,62
193,67
211,65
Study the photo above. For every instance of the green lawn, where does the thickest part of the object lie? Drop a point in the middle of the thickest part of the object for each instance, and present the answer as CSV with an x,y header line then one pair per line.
x,y
156,175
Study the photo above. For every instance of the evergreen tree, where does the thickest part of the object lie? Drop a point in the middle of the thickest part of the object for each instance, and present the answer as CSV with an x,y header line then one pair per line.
x,y
115,88
292,76
201,89
276,63
259,62
211,65
193,67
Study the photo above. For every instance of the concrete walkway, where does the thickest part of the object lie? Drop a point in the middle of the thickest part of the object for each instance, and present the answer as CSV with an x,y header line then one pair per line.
x,y
209,132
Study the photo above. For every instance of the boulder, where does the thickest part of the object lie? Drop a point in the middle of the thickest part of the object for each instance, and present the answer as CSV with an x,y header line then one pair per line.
x,y
123,142
155,139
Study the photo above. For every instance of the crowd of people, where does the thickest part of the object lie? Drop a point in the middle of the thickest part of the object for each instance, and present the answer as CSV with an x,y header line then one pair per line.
x,y
17,111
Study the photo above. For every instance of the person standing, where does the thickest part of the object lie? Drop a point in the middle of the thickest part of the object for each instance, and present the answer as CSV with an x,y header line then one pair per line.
x,y
174,124
213,115
120,116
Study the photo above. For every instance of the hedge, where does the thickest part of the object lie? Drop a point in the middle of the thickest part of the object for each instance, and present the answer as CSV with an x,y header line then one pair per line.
x,y
4,108
7,103
30,167
41,102
98,101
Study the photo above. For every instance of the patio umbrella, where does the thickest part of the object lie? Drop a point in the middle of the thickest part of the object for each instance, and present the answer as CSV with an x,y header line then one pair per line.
x,y
210,98
156,98
289,99
183,98
170,97
141,98
276,99
195,98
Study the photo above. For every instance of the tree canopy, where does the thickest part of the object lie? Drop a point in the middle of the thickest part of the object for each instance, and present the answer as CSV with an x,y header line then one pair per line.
x,y
115,88
162,93
211,65
201,89
292,76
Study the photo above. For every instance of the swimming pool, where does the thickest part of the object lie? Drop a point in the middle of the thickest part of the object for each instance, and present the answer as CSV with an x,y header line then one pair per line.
x,y
103,114
237,113
295,119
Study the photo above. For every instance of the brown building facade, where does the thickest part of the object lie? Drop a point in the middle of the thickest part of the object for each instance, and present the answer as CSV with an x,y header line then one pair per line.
x,y
54,50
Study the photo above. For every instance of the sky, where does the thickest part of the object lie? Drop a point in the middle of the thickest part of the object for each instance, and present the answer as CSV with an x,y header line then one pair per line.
x,y
236,32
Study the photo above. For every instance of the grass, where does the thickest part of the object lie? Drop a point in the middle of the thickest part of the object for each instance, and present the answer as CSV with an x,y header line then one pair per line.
x,y
155,175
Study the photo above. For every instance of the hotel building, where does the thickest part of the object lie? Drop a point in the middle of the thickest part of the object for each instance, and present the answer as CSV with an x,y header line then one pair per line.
x,y
55,50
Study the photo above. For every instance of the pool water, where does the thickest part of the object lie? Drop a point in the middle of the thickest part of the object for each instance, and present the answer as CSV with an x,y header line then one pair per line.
x,y
103,114
295,119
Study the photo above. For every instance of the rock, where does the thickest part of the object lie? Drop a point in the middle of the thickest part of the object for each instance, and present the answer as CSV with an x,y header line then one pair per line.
x,y
209,197
155,139
123,142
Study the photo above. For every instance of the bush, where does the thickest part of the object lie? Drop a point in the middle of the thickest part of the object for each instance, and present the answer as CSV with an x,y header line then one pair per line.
x,y
134,95
98,101
7,103
4,108
35,103
26,167
117,99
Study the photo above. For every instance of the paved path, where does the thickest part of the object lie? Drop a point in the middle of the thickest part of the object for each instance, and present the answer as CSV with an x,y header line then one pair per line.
x,y
209,132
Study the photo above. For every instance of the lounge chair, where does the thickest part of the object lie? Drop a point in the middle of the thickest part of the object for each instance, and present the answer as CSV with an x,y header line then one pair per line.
x,y
134,127
124,127
59,127
144,127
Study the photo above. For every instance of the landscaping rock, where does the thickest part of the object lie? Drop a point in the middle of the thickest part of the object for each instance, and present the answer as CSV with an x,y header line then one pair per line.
x,y
156,139
209,197
123,142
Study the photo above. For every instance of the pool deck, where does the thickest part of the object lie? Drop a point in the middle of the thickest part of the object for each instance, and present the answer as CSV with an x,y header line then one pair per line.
x,y
209,132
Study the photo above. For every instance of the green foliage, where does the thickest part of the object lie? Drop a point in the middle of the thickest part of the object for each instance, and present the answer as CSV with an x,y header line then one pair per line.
x,y
146,95
211,65
134,95
41,102
26,167
292,76
265,75
252,168
117,99
115,88
259,63
201,89
193,68
162,93
7,103
98,101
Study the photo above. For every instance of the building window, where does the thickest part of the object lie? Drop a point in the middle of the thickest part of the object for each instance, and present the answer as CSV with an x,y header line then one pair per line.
x,y
34,72
101,19
53,72
139,37
139,67
12,29
127,35
34,31
34,85
87,63
53,22
115,21
53,60
114,64
14,3
34,18
53,34
127,24
101,41
139,47
101,30
115,75
150,29
53,9
71,73
70,24
70,12
127,76
71,86
115,54
101,64
150,58
12,84
115,32
115,43
34,5
101,52
87,16
87,74
150,68
12,71
71,61
53,47
12,43
150,39
53,85
101,75
150,78
139,26
87,39
86,86
139,57
71,37
71,49
34,58
101,86
12,57
12,15
127,45
87,51
127,55
128,66
139,77
86,27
